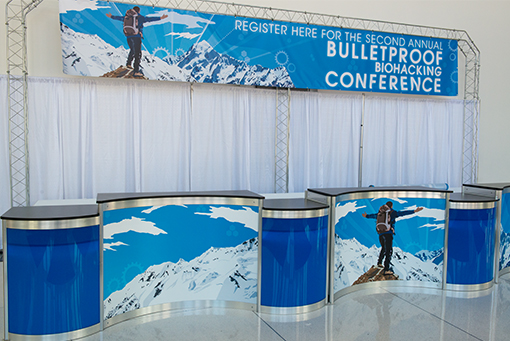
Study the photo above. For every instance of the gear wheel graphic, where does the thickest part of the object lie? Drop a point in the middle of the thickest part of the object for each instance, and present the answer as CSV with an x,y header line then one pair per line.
x,y
162,49
413,248
278,58
114,285
179,52
450,46
131,271
454,77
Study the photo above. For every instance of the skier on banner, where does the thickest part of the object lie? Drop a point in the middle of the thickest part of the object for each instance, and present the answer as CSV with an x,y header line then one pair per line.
x,y
133,26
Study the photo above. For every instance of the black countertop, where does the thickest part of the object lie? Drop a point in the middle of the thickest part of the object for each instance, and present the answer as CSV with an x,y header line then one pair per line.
x,y
333,192
108,197
459,197
51,212
294,204
495,186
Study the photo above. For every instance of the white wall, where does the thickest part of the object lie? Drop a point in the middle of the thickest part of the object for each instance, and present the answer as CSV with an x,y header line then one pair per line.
x,y
486,21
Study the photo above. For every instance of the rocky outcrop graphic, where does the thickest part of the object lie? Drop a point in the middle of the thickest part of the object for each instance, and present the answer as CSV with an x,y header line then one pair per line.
x,y
123,72
375,274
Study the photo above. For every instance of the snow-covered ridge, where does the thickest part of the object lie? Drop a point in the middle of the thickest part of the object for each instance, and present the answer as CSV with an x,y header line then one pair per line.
x,y
227,274
230,274
352,259
89,55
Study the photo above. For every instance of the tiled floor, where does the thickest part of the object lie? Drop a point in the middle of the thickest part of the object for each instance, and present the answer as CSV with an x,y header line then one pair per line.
x,y
372,314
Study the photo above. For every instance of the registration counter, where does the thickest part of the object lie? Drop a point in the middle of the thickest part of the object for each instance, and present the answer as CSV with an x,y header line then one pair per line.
x,y
74,270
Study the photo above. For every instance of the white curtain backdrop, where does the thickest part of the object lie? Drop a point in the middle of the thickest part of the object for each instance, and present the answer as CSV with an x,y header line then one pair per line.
x,y
89,136
5,184
412,141
324,140
233,139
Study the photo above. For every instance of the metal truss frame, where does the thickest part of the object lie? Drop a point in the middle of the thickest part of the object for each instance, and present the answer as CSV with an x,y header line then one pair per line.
x,y
281,181
17,10
17,101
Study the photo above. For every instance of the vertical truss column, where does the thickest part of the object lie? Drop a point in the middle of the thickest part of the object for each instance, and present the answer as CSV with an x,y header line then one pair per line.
x,y
282,140
15,16
471,113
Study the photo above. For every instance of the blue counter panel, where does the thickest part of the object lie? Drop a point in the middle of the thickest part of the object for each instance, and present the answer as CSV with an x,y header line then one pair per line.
x,y
504,247
471,245
294,261
53,279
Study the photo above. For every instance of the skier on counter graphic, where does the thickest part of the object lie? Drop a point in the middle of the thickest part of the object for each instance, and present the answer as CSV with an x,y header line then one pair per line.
x,y
133,25
385,227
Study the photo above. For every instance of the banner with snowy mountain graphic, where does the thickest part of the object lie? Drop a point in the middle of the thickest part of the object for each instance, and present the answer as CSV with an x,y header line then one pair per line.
x,y
204,252
418,243
189,46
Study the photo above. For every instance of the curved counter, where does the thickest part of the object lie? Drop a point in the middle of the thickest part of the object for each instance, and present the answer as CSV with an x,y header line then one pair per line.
x,y
418,243
294,258
172,250
499,191
75,270
51,272
471,242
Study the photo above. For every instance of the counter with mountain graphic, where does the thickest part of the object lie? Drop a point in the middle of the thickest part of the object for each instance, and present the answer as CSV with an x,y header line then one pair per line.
x,y
155,255
418,245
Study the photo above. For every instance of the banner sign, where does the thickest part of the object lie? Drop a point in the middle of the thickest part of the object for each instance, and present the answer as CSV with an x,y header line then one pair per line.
x,y
121,40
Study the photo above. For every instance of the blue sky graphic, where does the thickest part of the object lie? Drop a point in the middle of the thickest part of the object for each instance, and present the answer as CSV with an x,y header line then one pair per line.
x,y
136,238
420,231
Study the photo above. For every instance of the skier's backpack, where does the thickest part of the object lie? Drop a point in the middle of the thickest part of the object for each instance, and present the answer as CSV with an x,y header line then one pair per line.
x,y
131,23
383,219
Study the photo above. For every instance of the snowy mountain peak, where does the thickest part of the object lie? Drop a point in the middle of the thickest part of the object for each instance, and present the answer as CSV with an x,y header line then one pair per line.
x,y
202,47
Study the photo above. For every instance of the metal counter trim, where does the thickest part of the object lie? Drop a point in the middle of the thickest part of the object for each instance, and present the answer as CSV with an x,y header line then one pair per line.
x,y
386,284
165,307
469,287
51,224
456,205
298,214
504,271
391,194
165,201
293,310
